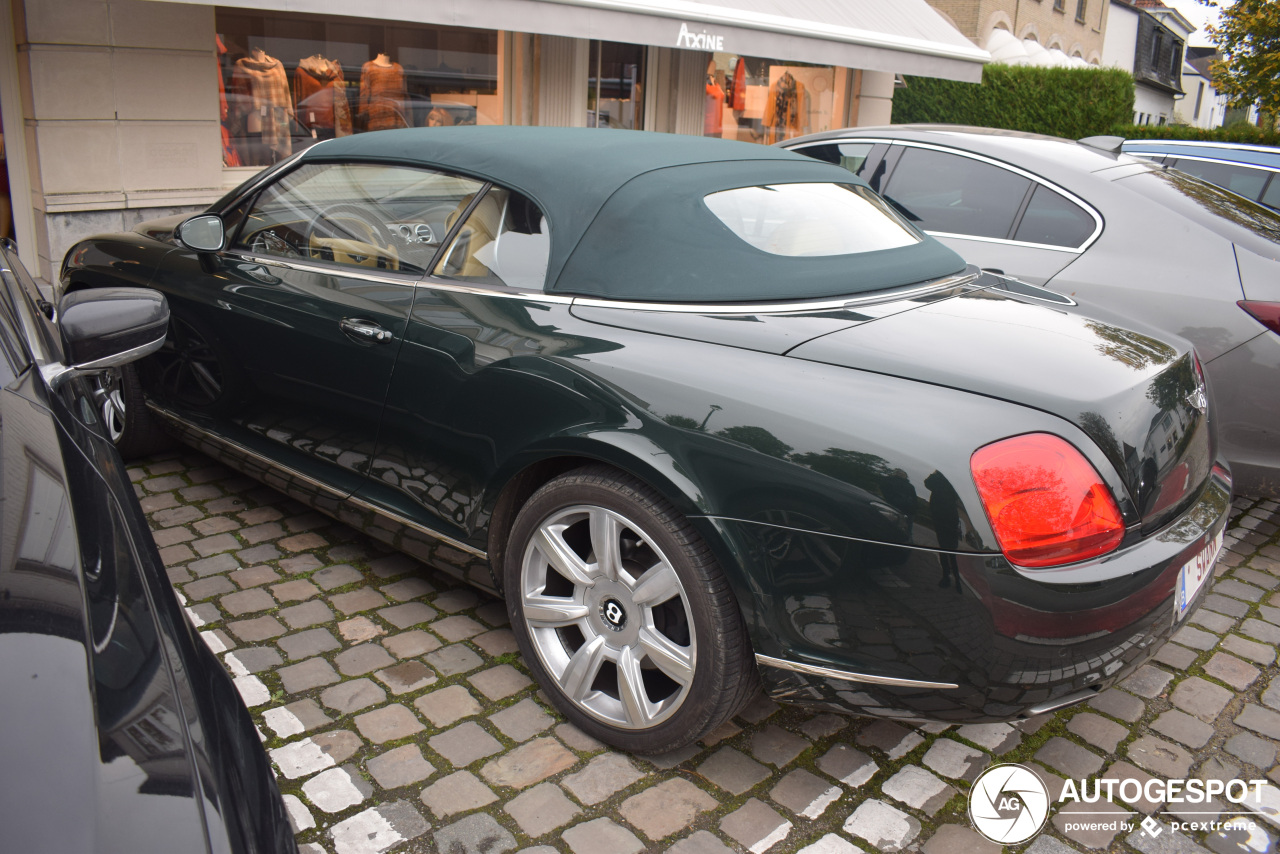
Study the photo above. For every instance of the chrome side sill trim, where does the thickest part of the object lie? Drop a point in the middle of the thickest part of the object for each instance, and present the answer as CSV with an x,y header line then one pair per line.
x,y
422,529
1061,702
830,673
238,448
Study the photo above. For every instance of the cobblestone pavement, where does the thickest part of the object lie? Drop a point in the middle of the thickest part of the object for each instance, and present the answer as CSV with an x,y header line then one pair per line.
x,y
399,716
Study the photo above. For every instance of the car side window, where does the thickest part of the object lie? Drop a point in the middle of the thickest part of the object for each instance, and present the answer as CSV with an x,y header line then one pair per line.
x,y
505,240
955,195
1271,196
365,215
1054,220
864,159
1241,180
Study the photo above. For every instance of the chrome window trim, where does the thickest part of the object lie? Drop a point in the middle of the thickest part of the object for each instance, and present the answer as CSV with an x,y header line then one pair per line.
x,y
564,299
1005,241
796,307
1181,156
846,675
435,284
705,308
1226,146
1000,164
407,280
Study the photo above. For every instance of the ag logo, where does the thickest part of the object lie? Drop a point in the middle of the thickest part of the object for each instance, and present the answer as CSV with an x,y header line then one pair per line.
x,y
1008,804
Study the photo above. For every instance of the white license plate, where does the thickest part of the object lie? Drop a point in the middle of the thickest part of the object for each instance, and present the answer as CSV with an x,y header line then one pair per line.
x,y
1193,576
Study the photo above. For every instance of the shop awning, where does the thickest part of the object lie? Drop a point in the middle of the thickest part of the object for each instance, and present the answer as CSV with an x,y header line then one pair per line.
x,y
901,36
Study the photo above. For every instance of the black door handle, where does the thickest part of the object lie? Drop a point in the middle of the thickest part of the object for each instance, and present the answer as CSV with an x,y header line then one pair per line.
x,y
364,331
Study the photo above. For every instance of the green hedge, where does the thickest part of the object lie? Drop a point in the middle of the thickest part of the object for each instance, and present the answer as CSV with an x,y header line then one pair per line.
x,y
1242,132
1070,102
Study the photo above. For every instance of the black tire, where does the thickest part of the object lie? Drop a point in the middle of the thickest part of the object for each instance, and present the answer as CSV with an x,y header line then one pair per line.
x,y
702,611
135,432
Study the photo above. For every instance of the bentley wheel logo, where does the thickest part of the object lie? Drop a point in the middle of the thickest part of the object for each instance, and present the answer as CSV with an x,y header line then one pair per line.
x,y
1008,804
614,617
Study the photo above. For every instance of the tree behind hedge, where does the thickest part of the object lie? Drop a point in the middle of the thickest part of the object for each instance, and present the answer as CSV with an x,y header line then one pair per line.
x,y
1070,102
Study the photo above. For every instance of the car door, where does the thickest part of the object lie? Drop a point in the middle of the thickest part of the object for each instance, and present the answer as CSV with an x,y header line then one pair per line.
x,y
453,406
307,308
997,217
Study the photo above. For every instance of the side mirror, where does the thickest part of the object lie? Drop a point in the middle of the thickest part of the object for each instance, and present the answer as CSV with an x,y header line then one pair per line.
x,y
109,327
203,233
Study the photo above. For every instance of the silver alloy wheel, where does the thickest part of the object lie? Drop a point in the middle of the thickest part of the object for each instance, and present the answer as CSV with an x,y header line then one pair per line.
x,y
110,399
608,617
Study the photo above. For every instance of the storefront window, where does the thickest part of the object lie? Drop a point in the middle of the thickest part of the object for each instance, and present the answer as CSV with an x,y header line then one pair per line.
x,y
768,100
6,206
287,81
615,86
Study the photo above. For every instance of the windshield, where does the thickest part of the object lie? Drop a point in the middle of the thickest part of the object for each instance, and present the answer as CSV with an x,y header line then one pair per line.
x,y
1236,218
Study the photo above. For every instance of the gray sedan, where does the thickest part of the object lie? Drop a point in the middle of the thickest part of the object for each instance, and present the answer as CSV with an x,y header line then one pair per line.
x,y
1124,237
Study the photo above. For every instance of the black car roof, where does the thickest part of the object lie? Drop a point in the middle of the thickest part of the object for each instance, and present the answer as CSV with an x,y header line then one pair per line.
x,y
626,212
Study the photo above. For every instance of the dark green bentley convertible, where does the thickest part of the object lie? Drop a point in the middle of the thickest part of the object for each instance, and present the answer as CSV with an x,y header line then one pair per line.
x,y
706,414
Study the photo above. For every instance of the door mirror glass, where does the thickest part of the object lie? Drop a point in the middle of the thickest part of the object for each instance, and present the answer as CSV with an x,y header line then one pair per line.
x,y
204,233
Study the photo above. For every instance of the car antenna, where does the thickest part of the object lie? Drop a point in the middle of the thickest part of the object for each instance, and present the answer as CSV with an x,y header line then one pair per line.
x,y
1109,144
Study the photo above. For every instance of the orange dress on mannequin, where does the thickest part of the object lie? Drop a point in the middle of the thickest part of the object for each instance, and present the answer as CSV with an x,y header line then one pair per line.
x,y
382,96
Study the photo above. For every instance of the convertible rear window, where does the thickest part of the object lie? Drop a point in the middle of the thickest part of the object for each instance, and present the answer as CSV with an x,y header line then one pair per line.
x,y
811,220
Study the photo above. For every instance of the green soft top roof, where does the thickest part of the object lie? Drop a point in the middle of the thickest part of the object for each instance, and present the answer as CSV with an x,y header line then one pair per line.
x,y
627,215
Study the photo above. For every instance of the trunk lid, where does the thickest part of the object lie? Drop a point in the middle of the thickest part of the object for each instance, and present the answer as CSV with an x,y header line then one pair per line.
x,y
1140,398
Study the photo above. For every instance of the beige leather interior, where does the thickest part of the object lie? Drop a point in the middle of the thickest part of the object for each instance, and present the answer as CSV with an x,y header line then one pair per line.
x,y
479,230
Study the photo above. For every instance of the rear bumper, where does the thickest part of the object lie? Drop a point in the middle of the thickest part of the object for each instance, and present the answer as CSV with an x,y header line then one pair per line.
x,y
1248,418
915,634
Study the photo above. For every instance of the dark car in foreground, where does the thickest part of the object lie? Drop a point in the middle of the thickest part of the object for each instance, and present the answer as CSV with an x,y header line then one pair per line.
x,y
1130,241
705,413
1247,170
121,730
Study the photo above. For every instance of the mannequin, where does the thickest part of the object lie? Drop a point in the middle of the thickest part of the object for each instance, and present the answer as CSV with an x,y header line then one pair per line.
x,y
320,93
382,94
786,110
6,207
263,80
712,124
230,157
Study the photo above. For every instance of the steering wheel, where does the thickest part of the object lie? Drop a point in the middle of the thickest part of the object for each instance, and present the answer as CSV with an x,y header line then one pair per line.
x,y
347,234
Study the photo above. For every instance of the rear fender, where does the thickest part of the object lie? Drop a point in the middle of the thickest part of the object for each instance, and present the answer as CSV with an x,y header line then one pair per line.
x,y
642,458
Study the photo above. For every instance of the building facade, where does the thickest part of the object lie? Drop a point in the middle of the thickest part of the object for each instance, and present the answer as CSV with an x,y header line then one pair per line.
x,y
1203,106
118,111
1074,27
1149,41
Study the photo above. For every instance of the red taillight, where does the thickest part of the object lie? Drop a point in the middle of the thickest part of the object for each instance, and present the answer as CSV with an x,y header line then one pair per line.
x,y
1266,313
1046,503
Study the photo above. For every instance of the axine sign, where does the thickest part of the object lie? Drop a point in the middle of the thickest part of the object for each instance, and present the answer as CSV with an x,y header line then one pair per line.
x,y
699,41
